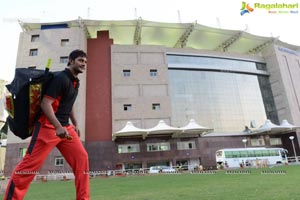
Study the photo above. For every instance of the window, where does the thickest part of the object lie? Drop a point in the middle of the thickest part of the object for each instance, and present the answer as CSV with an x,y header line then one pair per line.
x,y
265,153
155,106
235,154
186,145
228,154
261,66
153,72
59,161
64,42
22,152
126,72
128,148
127,107
64,59
251,153
33,52
243,154
165,146
35,38
219,153
258,153
274,153
257,142
275,141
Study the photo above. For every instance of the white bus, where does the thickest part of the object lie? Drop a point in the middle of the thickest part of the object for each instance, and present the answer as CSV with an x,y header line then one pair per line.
x,y
255,157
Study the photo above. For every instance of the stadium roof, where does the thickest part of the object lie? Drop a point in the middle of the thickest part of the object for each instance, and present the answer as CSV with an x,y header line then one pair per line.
x,y
172,35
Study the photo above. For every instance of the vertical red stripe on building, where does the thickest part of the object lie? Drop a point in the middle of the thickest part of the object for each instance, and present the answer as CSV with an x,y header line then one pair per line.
x,y
98,94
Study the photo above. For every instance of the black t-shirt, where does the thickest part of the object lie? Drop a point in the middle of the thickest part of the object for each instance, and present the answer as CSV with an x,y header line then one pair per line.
x,y
63,89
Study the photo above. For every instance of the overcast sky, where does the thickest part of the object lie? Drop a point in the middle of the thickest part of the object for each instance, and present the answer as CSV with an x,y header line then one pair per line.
x,y
214,13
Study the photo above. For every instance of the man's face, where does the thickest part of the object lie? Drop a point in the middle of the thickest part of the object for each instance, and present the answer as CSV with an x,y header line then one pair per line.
x,y
79,64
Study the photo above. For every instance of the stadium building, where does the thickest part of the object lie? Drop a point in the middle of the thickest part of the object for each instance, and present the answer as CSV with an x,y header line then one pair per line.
x,y
168,93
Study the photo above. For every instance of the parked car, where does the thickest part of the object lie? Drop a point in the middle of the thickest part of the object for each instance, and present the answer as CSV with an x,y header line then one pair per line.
x,y
161,169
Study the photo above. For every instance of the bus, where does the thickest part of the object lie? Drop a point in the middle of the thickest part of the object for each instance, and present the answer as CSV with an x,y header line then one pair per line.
x,y
251,157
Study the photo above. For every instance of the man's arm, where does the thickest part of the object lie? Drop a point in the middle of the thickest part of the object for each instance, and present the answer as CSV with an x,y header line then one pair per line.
x,y
46,106
74,121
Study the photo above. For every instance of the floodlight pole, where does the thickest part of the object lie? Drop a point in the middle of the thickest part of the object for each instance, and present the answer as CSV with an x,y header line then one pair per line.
x,y
245,142
295,154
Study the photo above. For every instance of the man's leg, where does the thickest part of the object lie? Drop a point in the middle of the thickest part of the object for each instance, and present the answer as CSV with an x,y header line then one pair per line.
x,y
77,157
42,142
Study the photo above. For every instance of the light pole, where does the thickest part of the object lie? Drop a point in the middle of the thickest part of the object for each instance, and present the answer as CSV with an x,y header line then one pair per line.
x,y
245,142
292,140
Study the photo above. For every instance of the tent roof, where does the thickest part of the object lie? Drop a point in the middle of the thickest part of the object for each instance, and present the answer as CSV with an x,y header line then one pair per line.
x,y
193,129
286,124
178,35
129,130
193,126
162,128
270,128
268,125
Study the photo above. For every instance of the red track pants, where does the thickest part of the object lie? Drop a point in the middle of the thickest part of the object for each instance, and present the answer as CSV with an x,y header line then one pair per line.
x,y
42,142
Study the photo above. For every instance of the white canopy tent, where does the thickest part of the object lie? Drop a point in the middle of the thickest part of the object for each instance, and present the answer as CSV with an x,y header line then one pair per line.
x,y
192,128
130,130
162,128
270,128
286,124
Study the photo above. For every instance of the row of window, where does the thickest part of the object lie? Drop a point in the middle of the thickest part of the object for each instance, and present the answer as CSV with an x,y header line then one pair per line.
x,y
62,59
127,72
36,38
251,153
151,147
34,52
128,107
165,146
261,141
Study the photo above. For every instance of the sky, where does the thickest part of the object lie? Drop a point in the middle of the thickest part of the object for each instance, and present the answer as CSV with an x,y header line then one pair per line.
x,y
214,13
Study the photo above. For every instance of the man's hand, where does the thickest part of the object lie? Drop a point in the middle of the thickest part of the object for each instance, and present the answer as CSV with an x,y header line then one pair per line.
x,y
63,133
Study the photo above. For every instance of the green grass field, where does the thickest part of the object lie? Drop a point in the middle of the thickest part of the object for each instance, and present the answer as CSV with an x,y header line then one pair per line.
x,y
278,183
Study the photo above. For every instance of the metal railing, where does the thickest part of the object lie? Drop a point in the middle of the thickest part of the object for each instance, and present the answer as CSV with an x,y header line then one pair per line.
x,y
293,159
68,175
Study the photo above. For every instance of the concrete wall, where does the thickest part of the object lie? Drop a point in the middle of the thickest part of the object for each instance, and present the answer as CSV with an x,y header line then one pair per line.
x,y
139,89
284,67
284,72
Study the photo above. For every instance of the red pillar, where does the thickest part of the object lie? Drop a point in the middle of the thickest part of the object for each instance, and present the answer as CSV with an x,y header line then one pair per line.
x,y
98,89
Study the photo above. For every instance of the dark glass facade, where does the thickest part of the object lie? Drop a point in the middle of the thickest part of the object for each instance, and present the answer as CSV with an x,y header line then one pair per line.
x,y
223,94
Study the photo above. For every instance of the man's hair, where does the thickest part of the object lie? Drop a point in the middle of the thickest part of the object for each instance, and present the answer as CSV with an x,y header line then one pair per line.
x,y
75,54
